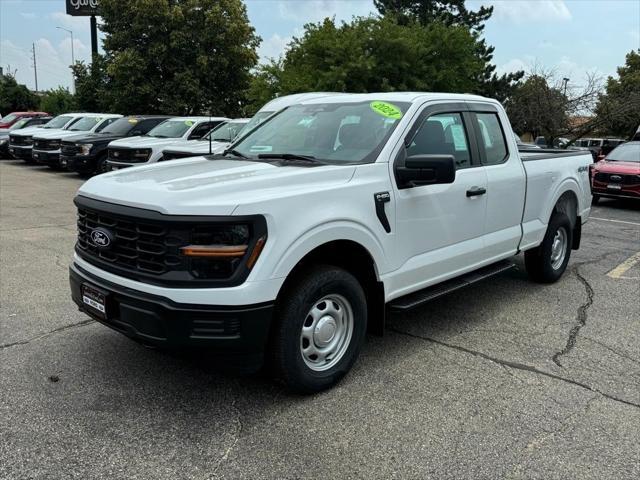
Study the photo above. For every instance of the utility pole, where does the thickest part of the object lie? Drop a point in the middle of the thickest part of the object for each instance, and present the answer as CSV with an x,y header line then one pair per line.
x,y
565,80
35,65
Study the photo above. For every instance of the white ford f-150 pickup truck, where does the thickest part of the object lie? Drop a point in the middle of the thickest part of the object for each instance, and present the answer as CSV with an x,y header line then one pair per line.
x,y
297,240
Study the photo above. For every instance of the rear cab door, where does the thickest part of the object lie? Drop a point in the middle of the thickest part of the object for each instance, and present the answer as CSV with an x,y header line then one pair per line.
x,y
505,177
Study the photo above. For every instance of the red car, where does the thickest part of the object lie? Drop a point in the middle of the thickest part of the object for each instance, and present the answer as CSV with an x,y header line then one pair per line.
x,y
13,117
618,175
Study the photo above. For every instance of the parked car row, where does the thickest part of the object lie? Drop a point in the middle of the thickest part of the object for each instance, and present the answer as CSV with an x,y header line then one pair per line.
x,y
91,143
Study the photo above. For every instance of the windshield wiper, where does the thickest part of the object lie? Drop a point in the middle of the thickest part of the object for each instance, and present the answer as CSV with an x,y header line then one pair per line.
x,y
288,156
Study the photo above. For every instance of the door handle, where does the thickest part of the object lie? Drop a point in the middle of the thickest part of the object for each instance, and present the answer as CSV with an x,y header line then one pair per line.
x,y
475,191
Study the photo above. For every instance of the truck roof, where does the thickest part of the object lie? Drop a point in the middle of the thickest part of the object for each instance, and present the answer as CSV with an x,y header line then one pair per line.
x,y
198,118
395,97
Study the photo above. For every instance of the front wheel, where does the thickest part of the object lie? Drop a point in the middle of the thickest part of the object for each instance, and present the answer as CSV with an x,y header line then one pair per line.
x,y
595,199
547,262
319,329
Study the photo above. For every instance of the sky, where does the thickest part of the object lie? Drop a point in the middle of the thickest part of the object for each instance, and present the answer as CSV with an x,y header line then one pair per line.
x,y
571,37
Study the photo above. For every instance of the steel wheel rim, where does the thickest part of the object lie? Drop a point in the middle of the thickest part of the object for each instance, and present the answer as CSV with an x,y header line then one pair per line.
x,y
559,248
326,332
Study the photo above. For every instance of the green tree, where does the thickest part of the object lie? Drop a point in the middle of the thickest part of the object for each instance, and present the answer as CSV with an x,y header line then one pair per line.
x,y
57,101
177,56
373,54
15,97
455,13
538,108
618,108
92,85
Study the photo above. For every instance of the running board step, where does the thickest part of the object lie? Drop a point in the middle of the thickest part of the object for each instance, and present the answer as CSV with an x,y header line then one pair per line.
x,y
420,297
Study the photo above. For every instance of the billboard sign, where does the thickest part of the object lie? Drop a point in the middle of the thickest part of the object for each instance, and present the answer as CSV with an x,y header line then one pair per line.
x,y
82,8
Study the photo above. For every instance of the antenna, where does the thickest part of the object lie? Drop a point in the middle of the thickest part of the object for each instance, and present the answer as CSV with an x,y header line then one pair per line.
x,y
209,134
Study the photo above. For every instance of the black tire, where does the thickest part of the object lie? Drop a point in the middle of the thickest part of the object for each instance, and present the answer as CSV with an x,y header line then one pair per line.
x,y
292,312
101,165
595,199
539,260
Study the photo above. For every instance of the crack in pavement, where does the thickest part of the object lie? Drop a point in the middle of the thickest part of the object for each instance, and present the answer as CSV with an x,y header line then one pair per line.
x,y
516,366
581,318
236,437
43,335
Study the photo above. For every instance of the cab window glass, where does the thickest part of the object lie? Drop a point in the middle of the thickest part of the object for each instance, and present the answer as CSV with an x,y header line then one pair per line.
x,y
442,134
491,138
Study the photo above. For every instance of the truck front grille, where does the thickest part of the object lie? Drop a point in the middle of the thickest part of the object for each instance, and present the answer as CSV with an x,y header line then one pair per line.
x,y
69,149
129,155
19,140
40,144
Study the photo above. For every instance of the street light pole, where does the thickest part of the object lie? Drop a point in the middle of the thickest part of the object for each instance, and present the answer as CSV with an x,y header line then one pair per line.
x,y
73,57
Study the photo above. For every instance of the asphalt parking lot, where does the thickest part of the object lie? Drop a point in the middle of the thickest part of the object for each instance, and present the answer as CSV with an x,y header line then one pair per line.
x,y
506,379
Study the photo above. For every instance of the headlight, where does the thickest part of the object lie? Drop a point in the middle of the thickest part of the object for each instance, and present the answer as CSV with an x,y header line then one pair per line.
x,y
3,141
85,148
217,251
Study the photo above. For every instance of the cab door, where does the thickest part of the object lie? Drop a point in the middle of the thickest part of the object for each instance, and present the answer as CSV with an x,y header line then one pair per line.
x,y
439,228
506,181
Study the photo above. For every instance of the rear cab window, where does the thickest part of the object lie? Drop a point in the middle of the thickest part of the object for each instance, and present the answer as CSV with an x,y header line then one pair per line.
x,y
491,142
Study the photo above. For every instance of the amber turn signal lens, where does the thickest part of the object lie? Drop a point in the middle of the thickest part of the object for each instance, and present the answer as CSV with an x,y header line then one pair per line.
x,y
215,251
256,252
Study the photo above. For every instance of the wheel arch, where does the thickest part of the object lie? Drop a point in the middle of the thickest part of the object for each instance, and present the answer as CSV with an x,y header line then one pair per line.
x,y
567,202
355,258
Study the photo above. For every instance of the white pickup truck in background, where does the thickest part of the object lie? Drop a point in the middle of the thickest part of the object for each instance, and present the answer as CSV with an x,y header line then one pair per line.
x,y
133,151
329,213
216,141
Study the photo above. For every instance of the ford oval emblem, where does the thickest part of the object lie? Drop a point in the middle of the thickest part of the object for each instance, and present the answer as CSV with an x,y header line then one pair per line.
x,y
615,178
101,238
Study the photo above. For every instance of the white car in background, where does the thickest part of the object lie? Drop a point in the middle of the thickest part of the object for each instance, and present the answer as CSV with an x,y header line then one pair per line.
x,y
145,149
21,142
47,144
216,141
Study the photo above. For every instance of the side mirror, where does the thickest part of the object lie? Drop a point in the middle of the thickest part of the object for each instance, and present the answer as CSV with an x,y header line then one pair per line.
x,y
421,170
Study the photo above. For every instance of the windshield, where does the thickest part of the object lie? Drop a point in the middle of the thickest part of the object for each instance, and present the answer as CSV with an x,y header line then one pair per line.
x,y
58,122
331,132
122,126
225,132
85,123
9,118
629,152
171,129
19,124
256,120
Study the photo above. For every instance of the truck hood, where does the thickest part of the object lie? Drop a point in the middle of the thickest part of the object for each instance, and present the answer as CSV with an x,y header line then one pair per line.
x,y
29,131
197,186
55,134
627,168
94,138
145,142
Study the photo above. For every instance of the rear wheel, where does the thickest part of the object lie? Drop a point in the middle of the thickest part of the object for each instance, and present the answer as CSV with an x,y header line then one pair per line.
x,y
320,326
547,262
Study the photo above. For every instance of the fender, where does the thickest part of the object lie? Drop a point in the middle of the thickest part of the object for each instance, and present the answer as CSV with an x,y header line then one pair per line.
x,y
568,185
328,232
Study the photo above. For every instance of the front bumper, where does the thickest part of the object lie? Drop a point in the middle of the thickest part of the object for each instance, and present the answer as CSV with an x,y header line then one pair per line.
x,y
111,165
79,163
20,152
159,321
47,157
626,191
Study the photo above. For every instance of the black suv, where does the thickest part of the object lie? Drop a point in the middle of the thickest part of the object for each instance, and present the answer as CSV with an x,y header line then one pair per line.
x,y
87,153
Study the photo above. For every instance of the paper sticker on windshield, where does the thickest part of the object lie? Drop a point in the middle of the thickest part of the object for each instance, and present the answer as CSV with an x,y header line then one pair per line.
x,y
261,148
188,123
385,109
133,120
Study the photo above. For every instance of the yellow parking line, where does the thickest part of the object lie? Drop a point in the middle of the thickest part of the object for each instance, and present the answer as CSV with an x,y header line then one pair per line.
x,y
621,269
